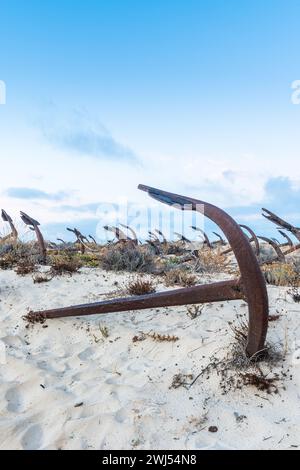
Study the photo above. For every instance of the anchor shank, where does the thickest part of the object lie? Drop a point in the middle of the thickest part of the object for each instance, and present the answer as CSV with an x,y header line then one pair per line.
x,y
215,292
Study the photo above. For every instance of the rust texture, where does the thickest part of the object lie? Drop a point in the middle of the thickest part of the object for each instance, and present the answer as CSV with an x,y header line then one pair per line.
x,y
252,279
282,223
252,239
14,232
250,287
215,292
292,249
34,225
276,247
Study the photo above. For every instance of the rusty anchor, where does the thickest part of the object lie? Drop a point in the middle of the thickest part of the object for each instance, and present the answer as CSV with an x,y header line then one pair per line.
x,y
288,242
220,240
253,238
34,225
279,255
93,239
250,287
164,240
119,234
182,238
282,223
153,237
14,232
292,249
133,233
206,239
79,238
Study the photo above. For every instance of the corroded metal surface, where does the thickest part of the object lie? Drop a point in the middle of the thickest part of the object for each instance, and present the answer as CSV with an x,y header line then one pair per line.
x,y
292,249
34,225
252,239
215,292
275,246
282,223
254,286
250,287
7,218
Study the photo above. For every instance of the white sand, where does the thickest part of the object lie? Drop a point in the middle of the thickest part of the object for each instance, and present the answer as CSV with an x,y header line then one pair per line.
x,y
122,387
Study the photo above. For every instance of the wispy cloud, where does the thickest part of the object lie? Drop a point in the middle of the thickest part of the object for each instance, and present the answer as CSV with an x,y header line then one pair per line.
x,y
32,193
91,207
80,134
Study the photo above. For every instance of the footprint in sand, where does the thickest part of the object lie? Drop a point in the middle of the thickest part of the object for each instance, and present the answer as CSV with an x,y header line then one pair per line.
x,y
89,354
33,438
14,400
121,415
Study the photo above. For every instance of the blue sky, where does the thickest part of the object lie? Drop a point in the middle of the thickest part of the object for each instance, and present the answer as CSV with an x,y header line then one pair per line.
x,y
190,96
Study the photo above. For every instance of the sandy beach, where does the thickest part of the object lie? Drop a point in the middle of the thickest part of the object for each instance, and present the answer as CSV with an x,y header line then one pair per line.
x,y
108,382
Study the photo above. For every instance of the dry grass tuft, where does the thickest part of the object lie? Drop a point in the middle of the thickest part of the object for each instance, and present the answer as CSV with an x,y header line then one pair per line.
x,y
174,248
65,263
179,277
281,274
211,261
294,293
194,311
163,338
90,260
25,266
19,254
140,286
104,331
126,257
236,370
181,380
140,337
155,337
31,319
259,380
